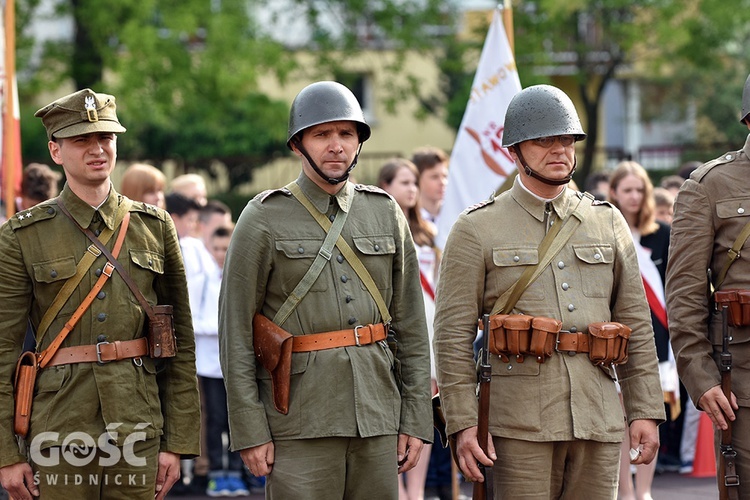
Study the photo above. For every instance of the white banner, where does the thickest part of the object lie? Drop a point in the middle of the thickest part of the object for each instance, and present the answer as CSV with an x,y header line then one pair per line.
x,y
479,164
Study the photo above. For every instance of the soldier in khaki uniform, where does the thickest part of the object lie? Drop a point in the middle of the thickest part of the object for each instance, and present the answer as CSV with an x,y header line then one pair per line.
x,y
556,426
137,415
356,415
710,212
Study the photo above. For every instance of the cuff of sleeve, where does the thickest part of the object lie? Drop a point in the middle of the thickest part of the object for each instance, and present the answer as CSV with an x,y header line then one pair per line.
x,y
248,428
416,419
460,411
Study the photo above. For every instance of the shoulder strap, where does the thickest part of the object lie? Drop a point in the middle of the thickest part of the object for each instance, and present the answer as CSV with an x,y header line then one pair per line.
x,y
346,250
324,255
121,270
734,254
46,355
83,266
550,246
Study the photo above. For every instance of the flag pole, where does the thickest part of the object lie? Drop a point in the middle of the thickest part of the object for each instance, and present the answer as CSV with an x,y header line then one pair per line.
x,y
507,10
10,152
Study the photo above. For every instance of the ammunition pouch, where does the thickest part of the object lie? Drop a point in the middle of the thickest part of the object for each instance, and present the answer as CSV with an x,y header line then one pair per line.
x,y
608,343
162,341
738,305
520,335
27,369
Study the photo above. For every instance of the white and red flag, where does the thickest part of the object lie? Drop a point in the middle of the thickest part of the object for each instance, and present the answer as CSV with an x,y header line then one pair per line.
x,y
479,164
10,125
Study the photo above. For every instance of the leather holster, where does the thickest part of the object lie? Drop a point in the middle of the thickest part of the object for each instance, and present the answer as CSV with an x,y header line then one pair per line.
x,y
273,348
27,368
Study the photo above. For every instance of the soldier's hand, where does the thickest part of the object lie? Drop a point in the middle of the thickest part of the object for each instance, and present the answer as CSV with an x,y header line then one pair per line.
x,y
259,459
408,450
717,407
644,438
469,453
167,474
18,479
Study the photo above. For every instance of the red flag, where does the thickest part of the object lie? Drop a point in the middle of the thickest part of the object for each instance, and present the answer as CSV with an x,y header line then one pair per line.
x,y
11,166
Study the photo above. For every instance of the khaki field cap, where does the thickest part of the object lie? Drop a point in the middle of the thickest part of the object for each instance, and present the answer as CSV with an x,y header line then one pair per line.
x,y
83,112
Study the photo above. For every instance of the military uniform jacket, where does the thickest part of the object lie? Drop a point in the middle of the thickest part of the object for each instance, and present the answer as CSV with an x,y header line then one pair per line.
x,y
39,250
348,391
711,209
595,277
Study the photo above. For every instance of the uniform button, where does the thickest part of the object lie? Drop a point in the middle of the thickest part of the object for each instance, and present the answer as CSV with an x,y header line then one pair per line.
x,y
740,210
510,367
53,273
348,298
50,210
377,247
573,329
344,279
516,258
101,317
331,217
301,250
340,259
597,256
571,307
728,157
97,232
101,338
561,264
98,272
101,295
352,321
565,286
150,262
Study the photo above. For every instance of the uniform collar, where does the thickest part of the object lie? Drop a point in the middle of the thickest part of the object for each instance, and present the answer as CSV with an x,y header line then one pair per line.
x,y
535,206
83,213
320,199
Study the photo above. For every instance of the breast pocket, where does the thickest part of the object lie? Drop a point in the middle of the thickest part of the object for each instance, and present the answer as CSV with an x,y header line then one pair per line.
x,y
510,263
145,266
595,265
294,258
50,276
376,252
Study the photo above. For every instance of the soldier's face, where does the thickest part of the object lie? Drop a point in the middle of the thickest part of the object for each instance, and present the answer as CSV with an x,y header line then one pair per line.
x,y
87,159
332,146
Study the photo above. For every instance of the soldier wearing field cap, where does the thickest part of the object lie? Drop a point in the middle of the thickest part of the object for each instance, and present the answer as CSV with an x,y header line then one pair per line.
x,y
357,413
130,416
555,417
711,217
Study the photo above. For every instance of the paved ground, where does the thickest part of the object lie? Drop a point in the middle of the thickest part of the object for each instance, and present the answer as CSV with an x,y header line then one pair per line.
x,y
667,486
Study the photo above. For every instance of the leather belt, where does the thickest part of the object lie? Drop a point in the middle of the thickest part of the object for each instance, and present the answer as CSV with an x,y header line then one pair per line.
x,y
572,342
361,335
103,352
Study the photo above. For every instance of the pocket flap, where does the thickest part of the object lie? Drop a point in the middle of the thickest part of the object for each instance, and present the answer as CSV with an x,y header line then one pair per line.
x,y
505,257
605,330
54,270
148,260
733,207
375,244
299,248
595,254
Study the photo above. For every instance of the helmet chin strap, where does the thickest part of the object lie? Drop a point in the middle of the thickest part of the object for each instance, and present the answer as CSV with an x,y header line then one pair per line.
x,y
329,180
540,177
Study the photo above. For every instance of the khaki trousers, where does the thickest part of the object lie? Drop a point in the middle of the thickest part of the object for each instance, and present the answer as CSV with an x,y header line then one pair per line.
x,y
565,470
334,468
92,474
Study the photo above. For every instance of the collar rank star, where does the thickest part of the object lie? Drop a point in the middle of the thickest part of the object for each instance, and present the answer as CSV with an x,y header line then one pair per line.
x,y
90,106
27,215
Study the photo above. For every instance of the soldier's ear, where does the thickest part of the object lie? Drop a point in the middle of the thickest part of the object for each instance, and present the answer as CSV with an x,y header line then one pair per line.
x,y
54,151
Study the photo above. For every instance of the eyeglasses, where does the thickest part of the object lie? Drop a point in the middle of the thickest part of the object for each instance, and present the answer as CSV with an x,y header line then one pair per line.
x,y
549,141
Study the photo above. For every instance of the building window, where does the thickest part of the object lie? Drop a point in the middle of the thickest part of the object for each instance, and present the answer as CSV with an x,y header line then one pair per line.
x,y
361,86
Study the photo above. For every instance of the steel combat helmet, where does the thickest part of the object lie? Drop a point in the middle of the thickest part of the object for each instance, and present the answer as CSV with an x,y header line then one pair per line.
x,y
324,102
540,111
746,101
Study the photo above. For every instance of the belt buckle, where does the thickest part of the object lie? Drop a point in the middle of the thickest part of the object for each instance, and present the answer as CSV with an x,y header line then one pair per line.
x,y
99,353
356,335
557,341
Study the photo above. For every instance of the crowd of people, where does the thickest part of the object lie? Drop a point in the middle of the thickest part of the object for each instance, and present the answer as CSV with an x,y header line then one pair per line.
x,y
313,336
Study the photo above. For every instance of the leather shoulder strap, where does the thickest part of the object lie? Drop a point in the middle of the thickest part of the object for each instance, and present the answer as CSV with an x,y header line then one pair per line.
x,y
734,254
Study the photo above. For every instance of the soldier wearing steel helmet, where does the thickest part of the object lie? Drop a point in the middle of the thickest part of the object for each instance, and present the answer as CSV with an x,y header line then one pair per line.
x,y
358,412
711,210
555,419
